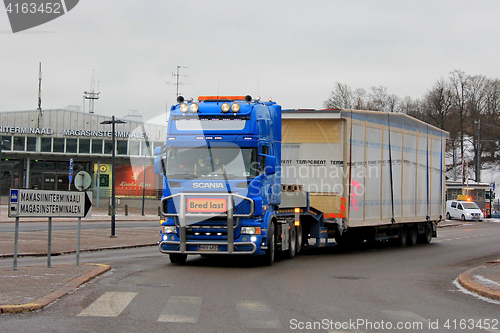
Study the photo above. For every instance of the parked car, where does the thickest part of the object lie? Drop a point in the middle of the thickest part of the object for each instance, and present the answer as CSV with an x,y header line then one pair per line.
x,y
464,210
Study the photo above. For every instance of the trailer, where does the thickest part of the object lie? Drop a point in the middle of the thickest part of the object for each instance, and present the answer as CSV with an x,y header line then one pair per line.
x,y
243,177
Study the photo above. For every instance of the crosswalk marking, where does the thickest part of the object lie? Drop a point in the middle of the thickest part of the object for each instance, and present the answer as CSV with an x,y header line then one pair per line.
x,y
111,304
249,311
181,309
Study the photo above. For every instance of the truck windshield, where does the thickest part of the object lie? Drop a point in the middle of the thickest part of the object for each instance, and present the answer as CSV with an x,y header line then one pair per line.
x,y
212,162
469,205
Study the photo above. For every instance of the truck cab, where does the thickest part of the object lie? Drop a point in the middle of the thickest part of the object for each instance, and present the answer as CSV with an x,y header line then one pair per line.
x,y
220,182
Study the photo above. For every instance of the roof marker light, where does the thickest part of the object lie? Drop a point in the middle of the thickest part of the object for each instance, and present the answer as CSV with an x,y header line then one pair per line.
x,y
235,107
183,107
194,107
225,107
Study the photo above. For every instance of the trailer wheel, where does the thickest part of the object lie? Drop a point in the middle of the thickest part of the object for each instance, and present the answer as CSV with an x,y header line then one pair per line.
x,y
177,258
403,237
292,246
268,258
413,235
427,237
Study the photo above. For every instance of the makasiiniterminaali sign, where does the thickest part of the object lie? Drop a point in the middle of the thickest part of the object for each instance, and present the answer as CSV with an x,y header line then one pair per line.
x,y
46,203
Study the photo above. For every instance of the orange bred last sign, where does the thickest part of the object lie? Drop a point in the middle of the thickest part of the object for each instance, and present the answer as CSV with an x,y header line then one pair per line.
x,y
206,205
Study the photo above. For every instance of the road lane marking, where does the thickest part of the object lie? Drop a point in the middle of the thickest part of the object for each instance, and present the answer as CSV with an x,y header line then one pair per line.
x,y
181,309
111,304
250,310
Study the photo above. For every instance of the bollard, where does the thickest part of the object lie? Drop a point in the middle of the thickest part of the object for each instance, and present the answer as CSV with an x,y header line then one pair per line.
x,y
109,210
126,210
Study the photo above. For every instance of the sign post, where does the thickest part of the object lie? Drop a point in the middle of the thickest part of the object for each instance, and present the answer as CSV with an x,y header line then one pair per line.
x,y
42,203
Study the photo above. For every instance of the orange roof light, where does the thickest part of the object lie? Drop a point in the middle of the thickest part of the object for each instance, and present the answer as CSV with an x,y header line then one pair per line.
x,y
221,98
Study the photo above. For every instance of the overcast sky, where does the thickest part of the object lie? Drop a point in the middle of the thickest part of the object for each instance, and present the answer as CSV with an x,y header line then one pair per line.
x,y
292,51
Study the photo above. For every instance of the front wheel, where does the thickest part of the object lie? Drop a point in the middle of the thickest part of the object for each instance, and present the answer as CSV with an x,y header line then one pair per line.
x,y
177,258
463,217
448,216
268,258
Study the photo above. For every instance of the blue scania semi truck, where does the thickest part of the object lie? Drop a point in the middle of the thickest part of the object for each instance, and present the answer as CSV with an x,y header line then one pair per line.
x,y
241,176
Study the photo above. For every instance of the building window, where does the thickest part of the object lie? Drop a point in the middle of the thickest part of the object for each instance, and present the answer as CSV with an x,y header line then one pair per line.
x,y
121,147
46,145
84,146
108,147
58,145
134,147
96,146
146,148
19,142
72,146
31,143
6,143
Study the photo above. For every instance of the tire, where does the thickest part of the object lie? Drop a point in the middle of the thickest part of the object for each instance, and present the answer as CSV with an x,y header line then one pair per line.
x,y
268,258
403,237
177,258
463,217
298,232
448,216
292,244
427,237
413,235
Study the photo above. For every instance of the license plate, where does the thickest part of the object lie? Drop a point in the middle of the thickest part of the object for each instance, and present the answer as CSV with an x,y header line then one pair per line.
x,y
208,247
202,205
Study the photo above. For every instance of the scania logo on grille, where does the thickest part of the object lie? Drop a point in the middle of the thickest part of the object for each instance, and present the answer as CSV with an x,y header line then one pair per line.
x,y
208,185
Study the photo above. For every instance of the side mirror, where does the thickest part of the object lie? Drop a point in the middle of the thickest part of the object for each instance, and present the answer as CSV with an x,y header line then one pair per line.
x,y
158,150
270,164
159,164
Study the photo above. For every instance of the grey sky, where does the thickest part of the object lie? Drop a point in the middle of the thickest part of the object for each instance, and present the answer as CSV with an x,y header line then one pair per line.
x,y
291,50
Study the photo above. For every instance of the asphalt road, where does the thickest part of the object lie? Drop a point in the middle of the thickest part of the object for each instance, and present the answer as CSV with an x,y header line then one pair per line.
x,y
375,288
56,225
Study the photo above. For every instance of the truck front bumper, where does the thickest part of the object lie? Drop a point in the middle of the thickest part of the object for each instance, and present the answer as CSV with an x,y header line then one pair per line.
x,y
208,247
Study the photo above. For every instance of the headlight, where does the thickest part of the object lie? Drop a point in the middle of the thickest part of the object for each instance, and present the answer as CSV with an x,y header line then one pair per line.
x,y
169,229
194,107
250,230
183,107
235,107
225,107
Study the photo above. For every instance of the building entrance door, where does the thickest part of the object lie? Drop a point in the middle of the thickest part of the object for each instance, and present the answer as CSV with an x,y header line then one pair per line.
x,y
49,181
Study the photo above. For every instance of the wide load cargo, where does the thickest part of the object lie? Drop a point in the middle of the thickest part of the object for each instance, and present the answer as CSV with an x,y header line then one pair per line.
x,y
367,168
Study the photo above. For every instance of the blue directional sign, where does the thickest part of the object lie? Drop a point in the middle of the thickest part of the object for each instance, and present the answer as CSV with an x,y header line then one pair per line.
x,y
14,195
70,170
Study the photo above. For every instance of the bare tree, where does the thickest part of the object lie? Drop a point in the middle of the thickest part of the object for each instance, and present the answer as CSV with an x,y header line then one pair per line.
x,y
341,97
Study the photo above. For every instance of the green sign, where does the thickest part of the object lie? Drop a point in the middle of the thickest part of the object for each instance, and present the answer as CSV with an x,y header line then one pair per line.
x,y
104,180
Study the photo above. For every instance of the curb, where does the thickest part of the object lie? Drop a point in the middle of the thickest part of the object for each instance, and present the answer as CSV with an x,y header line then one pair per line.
x,y
466,281
46,300
55,254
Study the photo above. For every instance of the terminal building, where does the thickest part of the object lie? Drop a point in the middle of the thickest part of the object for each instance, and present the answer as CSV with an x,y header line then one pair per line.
x,y
37,147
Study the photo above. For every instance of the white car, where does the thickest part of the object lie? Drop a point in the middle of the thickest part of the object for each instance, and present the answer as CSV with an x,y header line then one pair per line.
x,y
463,210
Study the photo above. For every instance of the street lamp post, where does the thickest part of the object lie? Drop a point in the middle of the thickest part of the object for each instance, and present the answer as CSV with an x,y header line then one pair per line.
x,y
113,122
478,158
1,146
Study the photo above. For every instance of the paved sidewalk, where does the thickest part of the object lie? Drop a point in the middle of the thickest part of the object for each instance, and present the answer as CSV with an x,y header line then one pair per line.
x,y
34,287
